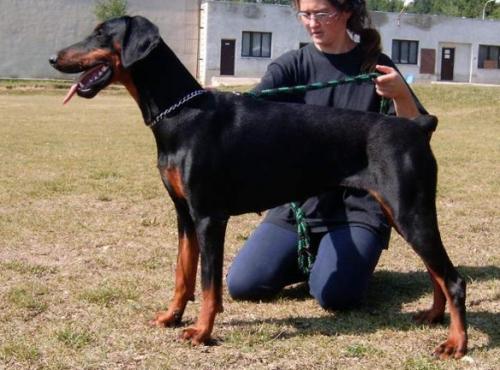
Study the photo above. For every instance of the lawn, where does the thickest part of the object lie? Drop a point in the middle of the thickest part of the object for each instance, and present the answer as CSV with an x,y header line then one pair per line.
x,y
88,250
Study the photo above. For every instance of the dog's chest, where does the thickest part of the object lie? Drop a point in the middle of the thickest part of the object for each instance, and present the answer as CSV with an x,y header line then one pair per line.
x,y
173,179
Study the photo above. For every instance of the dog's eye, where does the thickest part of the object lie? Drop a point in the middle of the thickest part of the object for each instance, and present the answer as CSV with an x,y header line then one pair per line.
x,y
101,36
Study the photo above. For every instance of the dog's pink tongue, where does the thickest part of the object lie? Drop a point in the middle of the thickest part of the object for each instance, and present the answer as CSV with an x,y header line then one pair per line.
x,y
71,92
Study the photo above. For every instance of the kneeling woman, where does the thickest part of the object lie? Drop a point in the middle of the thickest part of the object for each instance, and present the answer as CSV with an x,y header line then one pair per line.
x,y
348,229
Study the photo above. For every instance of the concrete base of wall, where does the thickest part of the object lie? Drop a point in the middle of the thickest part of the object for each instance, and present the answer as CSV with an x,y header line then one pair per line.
x,y
233,81
452,83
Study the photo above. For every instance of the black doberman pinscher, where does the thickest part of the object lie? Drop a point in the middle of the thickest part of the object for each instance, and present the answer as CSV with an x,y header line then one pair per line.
x,y
220,154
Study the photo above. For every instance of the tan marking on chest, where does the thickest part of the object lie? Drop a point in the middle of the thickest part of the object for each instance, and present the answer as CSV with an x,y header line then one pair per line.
x,y
174,178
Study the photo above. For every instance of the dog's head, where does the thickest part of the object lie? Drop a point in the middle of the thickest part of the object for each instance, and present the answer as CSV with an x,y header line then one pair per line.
x,y
107,54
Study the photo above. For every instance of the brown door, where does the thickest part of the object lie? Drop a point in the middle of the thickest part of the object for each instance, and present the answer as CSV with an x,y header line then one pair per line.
x,y
227,57
427,61
447,64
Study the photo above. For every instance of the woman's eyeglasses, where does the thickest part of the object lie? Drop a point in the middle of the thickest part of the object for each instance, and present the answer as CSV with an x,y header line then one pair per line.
x,y
320,17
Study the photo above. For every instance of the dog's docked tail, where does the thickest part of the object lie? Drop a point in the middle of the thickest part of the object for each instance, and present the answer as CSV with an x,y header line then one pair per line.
x,y
428,123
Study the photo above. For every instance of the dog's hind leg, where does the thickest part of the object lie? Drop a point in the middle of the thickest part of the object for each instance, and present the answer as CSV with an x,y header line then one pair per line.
x,y
410,206
423,235
210,232
185,272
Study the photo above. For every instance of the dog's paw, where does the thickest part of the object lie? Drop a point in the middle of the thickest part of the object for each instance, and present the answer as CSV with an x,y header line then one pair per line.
x,y
451,348
429,317
196,335
167,319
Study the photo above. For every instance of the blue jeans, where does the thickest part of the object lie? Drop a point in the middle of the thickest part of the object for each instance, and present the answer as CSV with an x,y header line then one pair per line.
x,y
345,261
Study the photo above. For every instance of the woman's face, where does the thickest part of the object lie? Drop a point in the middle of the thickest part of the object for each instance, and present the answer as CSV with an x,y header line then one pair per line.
x,y
328,31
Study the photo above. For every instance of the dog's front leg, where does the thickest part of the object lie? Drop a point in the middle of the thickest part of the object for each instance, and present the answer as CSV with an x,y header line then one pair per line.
x,y
435,314
185,272
210,232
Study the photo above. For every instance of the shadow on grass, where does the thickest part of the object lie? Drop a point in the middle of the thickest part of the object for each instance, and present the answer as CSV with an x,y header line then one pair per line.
x,y
382,306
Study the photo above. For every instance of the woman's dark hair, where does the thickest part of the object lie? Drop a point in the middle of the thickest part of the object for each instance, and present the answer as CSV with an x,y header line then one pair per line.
x,y
359,24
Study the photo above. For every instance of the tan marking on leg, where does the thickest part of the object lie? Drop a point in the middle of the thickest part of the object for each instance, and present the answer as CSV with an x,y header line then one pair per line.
x,y
212,304
435,314
388,212
185,281
456,344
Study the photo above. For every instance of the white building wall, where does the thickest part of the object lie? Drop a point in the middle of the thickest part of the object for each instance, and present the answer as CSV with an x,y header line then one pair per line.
x,y
203,44
32,30
436,32
226,20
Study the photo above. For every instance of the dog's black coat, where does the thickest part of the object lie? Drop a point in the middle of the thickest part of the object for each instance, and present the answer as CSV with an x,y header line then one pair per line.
x,y
221,154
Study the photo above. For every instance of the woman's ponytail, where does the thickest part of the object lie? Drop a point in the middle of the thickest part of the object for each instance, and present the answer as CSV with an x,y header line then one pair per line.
x,y
369,38
370,43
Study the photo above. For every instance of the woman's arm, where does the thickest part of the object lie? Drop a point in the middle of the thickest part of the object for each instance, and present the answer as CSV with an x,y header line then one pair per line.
x,y
392,86
282,72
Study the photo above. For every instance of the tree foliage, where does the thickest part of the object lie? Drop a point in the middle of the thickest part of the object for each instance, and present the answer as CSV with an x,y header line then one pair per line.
x,y
385,5
280,2
455,8
107,9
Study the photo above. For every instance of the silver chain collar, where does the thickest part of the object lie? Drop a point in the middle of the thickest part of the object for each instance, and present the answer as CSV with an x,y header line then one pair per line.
x,y
170,109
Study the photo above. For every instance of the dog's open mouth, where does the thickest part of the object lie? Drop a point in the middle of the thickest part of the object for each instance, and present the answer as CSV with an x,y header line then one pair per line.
x,y
90,82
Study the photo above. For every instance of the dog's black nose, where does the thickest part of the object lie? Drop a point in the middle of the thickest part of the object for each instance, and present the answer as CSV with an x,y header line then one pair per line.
x,y
53,59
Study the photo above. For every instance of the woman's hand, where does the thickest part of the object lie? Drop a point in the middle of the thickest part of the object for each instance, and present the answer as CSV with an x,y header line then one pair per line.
x,y
392,86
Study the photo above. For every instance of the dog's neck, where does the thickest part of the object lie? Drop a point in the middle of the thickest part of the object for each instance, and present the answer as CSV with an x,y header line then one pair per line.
x,y
161,81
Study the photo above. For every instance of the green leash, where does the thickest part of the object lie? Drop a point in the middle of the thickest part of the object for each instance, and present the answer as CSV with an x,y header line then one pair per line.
x,y
314,86
304,250
305,254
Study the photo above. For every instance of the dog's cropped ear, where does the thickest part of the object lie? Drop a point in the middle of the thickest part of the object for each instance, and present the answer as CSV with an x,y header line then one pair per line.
x,y
141,37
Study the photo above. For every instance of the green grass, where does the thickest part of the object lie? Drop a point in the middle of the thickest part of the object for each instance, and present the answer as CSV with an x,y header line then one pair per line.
x,y
19,352
88,244
419,363
74,338
28,269
360,350
29,298
109,294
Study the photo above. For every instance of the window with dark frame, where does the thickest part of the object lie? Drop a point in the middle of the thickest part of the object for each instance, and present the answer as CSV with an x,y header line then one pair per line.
x,y
488,57
256,44
405,51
